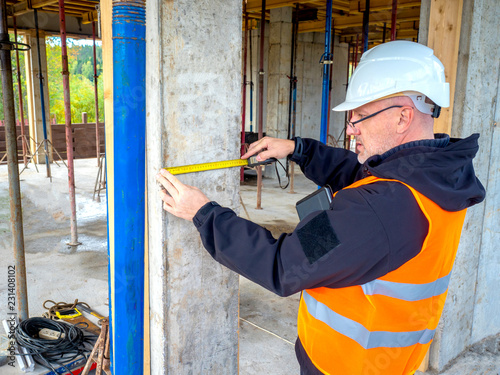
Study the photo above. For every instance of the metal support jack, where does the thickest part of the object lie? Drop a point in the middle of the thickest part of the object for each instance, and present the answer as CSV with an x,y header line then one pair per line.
x,y
16,213
292,109
100,181
42,99
45,143
261,98
326,59
67,120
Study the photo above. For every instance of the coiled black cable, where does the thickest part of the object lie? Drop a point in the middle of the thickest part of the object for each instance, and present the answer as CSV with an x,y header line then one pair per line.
x,y
61,351
286,173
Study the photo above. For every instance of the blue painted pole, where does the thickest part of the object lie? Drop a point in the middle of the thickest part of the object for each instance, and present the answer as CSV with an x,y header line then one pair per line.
x,y
326,73
129,133
42,99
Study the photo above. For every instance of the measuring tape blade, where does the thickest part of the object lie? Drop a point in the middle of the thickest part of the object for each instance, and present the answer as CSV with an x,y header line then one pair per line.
x,y
208,166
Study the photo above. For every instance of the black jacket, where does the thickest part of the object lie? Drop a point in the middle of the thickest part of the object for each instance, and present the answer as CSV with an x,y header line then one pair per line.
x,y
367,232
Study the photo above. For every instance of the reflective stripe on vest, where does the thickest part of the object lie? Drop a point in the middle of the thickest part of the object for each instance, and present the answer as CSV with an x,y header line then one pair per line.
x,y
360,334
407,292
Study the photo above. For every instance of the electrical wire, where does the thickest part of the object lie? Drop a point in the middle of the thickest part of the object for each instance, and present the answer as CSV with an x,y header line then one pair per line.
x,y
48,353
286,174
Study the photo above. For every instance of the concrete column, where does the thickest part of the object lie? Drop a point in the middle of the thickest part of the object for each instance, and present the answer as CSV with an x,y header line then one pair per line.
x,y
471,310
278,93
193,109
423,27
278,84
253,67
33,94
310,48
337,119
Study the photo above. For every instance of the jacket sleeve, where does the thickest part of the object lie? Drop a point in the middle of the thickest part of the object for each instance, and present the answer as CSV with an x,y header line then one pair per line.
x,y
368,232
324,165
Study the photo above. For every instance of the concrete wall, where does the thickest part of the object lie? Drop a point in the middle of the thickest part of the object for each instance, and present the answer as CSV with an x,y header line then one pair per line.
x,y
471,310
193,116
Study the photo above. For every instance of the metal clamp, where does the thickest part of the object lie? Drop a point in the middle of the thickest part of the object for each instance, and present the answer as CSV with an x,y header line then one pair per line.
x,y
6,46
13,46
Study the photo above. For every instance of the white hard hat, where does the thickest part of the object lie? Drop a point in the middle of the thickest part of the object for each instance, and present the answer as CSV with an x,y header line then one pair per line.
x,y
403,67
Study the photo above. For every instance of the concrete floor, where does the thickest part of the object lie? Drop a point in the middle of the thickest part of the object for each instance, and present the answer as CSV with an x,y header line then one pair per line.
x,y
267,322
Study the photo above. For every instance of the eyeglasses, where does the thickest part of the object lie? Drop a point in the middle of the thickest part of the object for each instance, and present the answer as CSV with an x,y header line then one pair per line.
x,y
353,123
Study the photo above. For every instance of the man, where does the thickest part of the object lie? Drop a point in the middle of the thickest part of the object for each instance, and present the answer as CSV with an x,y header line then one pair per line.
x,y
374,268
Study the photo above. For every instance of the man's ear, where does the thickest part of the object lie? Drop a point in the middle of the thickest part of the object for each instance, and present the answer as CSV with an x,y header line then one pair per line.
x,y
405,119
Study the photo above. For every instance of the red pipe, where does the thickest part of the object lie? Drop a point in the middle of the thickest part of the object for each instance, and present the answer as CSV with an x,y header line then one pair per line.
x,y
393,19
261,97
20,93
356,52
67,120
96,99
347,113
244,89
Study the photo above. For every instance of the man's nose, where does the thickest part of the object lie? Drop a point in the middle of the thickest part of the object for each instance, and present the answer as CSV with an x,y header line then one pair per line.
x,y
351,130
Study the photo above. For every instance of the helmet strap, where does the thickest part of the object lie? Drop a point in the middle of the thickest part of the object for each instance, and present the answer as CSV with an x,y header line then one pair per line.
x,y
436,111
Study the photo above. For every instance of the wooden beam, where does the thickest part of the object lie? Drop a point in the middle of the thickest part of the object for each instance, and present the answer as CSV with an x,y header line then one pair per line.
x,y
378,34
344,22
89,17
87,4
380,5
69,8
53,9
444,35
42,3
19,9
256,5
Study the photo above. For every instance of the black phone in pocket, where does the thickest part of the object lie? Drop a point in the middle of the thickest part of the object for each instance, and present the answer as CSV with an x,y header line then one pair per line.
x,y
318,201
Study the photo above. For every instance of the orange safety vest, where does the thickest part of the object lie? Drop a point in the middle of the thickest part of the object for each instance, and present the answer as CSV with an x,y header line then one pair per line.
x,y
386,325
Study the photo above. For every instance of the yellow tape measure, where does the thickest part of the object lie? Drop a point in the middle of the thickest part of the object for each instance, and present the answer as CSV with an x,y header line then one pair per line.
x,y
251,162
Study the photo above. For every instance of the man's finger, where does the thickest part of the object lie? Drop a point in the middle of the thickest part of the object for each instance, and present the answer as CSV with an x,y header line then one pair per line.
x,y
168,208
168,201
167,184
254,148
172,179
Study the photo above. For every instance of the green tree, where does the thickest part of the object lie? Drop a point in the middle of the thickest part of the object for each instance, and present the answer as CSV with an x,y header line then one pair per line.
x,y
81,77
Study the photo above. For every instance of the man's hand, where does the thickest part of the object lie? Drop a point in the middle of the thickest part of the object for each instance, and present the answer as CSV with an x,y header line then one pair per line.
x,y
271,148
179,199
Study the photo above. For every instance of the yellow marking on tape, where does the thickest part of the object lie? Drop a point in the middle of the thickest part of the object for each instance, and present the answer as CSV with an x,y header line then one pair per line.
x,y
207,166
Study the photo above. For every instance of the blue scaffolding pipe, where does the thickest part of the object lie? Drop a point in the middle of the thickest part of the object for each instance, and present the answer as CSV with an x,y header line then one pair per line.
x,y
42,99
129,158
366,24
326,73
